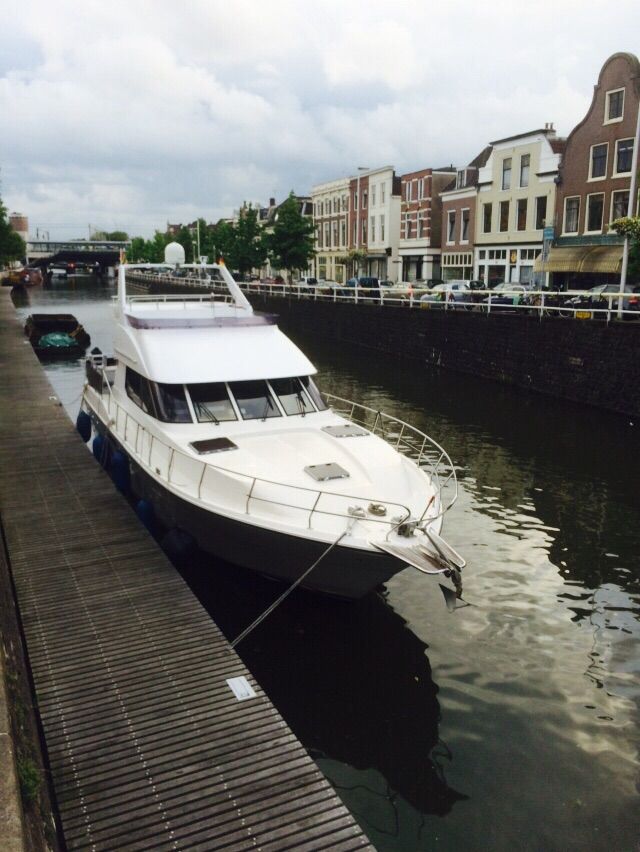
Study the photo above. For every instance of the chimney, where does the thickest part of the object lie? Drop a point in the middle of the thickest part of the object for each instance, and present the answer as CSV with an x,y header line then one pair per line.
x,y
272,202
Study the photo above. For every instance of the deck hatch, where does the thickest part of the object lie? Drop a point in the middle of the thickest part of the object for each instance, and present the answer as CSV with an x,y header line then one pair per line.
x,y
346,431
213,445
324,472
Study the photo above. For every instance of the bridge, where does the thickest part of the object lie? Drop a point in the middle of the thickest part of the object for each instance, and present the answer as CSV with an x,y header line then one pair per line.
x,y
100,254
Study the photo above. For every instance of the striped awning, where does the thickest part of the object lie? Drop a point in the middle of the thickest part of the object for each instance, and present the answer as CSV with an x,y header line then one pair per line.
x,y
581,259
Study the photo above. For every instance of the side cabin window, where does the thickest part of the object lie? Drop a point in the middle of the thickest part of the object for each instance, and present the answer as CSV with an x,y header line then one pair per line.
x,y
163,402
171,403
312,389
211,402
254,399
292,395
139,391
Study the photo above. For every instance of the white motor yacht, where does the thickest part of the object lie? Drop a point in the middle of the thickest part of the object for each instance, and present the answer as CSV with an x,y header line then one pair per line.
x,y
227,436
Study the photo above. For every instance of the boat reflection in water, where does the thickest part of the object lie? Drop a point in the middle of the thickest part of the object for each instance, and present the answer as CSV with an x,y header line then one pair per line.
x,y
353,683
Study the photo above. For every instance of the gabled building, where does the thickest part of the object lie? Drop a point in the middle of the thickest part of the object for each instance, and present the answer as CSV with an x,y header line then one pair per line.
x,y
458,219
515,201
420,222
594,180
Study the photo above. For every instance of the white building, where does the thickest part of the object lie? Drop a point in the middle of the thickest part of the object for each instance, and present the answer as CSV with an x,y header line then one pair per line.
x,y
330,206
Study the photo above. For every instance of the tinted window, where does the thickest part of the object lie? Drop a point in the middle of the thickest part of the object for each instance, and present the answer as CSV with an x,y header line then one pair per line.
x,y
254,400
314,393
211,402
171,403
138,390
293,397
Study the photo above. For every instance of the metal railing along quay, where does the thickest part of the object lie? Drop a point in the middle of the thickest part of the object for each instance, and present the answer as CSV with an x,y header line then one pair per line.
x,y
540,303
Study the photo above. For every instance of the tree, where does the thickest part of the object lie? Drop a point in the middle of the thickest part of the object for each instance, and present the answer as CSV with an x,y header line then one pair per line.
x,y
12,246
249,250
629,226
290,244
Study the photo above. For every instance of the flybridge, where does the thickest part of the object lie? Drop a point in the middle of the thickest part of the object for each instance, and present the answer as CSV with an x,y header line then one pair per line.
x,y
214,274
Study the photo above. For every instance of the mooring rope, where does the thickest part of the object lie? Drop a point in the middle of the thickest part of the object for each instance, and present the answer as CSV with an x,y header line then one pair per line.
x,y
294,585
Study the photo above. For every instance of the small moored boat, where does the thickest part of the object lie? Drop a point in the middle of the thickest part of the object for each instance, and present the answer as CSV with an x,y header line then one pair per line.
x,y
56,335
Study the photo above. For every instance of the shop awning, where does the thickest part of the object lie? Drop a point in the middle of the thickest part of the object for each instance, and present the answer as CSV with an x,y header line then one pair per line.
x,y
581,259
602,259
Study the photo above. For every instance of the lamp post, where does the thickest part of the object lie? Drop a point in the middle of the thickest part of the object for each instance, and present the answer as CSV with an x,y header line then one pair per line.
x,y
630,212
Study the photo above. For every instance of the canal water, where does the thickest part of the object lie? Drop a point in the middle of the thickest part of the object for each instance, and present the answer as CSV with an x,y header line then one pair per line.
x,y
513,723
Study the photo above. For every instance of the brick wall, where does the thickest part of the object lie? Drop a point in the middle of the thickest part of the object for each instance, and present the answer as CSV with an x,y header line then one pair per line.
x,y
584,361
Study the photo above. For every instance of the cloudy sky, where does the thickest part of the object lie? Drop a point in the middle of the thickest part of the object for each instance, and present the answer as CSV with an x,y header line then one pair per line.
x,y
131,114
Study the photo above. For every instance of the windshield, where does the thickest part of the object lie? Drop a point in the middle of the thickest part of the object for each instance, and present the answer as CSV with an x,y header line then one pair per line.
x,y
254,400
293,397
211,402
171,403
312,389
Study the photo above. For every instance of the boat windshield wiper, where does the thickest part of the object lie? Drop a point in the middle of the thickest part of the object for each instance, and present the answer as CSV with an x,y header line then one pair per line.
x,y
267,406
301,409
204,409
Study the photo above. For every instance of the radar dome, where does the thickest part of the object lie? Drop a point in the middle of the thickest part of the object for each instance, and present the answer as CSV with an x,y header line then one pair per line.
x,y
173,254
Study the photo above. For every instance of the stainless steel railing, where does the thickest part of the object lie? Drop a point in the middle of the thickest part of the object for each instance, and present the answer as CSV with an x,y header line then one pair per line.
x,y
144,447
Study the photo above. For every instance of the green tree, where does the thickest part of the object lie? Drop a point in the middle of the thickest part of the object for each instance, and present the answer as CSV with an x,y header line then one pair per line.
x,y
12,246
249,249
290,244
629,226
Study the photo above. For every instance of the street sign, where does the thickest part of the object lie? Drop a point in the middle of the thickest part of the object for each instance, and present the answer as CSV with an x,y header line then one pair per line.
x,y
548,233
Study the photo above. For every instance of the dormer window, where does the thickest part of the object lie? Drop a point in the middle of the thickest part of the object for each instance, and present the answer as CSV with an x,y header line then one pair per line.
x,y
614,110
461,178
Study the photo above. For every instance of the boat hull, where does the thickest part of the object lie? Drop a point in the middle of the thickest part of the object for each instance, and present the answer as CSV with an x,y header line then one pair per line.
x,y
344,572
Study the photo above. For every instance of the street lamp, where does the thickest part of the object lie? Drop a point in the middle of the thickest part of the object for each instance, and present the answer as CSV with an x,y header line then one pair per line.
x,y
631,209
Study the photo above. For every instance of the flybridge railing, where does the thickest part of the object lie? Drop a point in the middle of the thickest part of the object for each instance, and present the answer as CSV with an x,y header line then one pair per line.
x,y
408,440
543,303
196,479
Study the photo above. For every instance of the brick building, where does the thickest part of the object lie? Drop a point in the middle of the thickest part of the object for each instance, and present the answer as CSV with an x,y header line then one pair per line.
x,y
458,202
594,180
420,222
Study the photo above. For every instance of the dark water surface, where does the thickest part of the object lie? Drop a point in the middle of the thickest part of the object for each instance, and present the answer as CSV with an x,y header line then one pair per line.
x,y
513,723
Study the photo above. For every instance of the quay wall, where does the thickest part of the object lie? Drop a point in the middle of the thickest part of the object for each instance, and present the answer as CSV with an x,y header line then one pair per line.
x,y
584,361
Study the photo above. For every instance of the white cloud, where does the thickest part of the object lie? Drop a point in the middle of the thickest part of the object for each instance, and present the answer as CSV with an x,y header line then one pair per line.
x,y
129,114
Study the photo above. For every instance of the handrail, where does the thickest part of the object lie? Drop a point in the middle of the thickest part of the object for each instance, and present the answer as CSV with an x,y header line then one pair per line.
x,y
406,446
392,522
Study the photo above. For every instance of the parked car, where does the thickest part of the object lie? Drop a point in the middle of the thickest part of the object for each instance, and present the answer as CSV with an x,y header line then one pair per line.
x,y
508,296
457,294
307,282
598,299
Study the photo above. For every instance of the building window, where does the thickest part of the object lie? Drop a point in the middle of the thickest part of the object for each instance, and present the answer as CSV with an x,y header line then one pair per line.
x,y
464,230
486,218
382,229
364,232
326,235
373,195
506,174
595,205
571,215
451,226
373,229
364,200
615,105
383,189
619,204
624,155
343,233
420,189
461,178
355,233
525,161
521,215
355,200
504,215
541,212
407,227
334,235
598,166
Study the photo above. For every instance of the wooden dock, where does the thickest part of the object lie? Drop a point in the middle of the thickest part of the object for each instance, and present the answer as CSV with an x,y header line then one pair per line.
x,y
148,746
